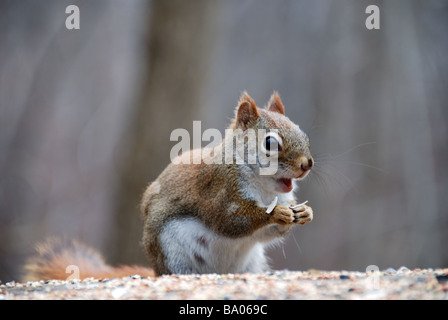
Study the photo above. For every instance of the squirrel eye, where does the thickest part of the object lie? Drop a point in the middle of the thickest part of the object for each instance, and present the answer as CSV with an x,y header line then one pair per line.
x,y
272,144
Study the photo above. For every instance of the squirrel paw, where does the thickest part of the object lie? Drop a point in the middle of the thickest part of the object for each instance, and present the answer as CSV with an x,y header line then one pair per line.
x,y
303,214
283,215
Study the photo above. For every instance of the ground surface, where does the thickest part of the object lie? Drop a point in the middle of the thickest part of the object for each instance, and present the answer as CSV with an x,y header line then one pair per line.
x,y
312,284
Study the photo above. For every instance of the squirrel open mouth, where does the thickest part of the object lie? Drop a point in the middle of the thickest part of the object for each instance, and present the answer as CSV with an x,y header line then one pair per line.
x,y
285,184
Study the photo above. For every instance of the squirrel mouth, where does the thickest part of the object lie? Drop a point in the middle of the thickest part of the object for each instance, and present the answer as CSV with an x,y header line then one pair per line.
x,y
285,184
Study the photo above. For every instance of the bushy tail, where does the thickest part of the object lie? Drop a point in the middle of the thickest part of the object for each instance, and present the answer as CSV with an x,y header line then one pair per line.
x,y
61,258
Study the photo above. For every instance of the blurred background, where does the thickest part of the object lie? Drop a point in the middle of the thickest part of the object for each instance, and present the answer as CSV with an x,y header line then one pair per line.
x,y
86,116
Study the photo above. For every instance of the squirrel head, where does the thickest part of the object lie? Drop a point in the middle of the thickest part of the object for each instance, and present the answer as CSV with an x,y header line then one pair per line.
x,y
281,139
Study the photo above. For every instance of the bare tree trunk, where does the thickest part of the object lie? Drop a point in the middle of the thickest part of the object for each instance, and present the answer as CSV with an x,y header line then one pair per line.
x,y
178,44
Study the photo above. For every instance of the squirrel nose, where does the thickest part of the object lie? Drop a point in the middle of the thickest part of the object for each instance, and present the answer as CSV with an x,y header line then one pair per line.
x,y
306,164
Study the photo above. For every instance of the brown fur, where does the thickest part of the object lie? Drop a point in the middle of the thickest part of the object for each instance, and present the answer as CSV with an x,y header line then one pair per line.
x,y
54,256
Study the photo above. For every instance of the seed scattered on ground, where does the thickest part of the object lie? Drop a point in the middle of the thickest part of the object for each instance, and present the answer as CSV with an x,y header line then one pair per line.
x,y
275,285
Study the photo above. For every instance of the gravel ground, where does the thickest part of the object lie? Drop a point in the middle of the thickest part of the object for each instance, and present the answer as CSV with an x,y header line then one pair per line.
x,y
279,285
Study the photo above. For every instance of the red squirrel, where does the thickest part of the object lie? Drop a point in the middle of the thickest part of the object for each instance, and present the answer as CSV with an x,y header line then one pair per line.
x,y
208,215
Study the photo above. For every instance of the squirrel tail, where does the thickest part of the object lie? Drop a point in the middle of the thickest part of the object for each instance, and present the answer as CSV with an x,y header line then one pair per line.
x,y
61,259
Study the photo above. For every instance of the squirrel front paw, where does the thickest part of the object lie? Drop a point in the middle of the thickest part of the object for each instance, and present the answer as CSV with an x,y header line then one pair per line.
x,y
298,215
303,214
283,215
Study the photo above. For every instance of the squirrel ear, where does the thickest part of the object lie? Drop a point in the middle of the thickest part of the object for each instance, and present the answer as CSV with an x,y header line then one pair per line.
x,y
246,112
275,104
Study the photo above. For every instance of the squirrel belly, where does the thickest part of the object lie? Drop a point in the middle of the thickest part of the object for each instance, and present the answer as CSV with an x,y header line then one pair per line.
x,y
191,247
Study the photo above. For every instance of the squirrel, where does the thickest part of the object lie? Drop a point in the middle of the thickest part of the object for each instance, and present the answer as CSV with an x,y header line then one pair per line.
x,y
206,215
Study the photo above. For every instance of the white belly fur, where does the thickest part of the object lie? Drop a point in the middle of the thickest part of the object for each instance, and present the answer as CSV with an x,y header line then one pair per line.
x,y
190,247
